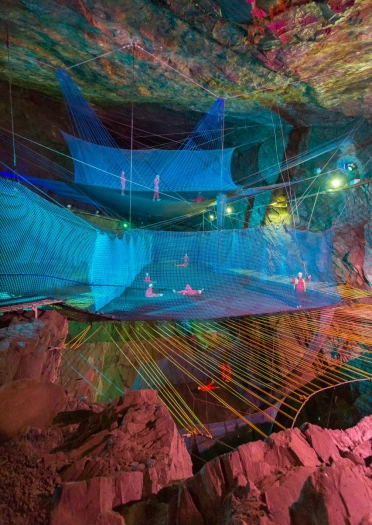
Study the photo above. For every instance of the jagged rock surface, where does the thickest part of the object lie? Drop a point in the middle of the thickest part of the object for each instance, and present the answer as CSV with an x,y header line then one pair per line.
x,y
97,461
32,348
294,478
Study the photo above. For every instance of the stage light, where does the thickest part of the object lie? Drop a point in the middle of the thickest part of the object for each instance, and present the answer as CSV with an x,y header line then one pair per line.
x,y
228,210
336,183
211,216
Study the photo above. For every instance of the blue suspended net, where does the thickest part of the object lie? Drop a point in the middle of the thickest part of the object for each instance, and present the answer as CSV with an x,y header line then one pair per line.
x,y
200,163
47,250
200,275
179,170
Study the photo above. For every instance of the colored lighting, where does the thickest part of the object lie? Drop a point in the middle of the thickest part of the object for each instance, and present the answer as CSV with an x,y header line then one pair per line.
x,y
229,210
211,216
125,225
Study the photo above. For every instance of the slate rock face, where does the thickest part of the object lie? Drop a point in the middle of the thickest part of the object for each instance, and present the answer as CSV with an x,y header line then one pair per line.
x,y
90,461
32,348
294,478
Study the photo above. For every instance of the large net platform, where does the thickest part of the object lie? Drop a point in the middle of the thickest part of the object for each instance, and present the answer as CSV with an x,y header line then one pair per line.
x,y
46,250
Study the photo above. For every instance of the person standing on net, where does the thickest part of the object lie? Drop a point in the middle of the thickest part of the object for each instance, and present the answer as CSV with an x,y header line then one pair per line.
x,y
123,181
299,284
156,188
186,260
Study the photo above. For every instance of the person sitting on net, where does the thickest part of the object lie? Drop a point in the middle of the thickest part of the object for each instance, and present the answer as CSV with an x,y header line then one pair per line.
x,y
150,292
199,199
299,284
147,278
188,291
210,386
186,260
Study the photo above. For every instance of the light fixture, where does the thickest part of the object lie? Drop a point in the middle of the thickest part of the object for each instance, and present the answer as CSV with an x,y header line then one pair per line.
x,y
229,210
211,216
125,225
336,183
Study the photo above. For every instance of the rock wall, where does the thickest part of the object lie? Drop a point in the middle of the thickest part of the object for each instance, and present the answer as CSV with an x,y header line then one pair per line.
x,y
294,477
88,461
32,348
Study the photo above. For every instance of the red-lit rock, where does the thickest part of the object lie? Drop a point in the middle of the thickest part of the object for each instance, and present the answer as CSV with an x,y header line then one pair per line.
x,y
32,348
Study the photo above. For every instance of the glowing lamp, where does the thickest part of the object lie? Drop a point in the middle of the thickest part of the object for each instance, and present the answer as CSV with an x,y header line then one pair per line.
x,y
125,225
228,210
211,216
335,183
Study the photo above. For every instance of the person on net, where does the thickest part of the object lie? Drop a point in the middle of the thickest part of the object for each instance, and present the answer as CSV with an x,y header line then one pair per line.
x,y
189,291
150,292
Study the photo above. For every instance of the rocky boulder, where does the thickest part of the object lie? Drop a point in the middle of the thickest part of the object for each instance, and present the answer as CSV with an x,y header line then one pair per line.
x,y
69,463
293,478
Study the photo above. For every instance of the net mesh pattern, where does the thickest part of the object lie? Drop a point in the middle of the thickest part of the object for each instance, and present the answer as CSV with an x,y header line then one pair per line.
x,y
47,250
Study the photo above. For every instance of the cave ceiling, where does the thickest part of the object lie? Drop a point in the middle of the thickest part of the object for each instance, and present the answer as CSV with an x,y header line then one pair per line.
x,y
310,61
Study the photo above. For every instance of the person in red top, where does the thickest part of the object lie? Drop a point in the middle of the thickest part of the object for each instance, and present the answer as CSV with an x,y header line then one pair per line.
x,y
188,291
156,188
299,284
147,278
123,181
225,371
186,260
150,292
199,199
210,386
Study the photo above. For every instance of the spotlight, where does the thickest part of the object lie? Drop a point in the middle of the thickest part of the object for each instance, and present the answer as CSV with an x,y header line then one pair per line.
x,y
336,183
229,210
211,216
125,225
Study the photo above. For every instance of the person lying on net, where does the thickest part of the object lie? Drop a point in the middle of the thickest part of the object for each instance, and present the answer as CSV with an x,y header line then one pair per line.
x,y
206,388
186,260
150,292
188,291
